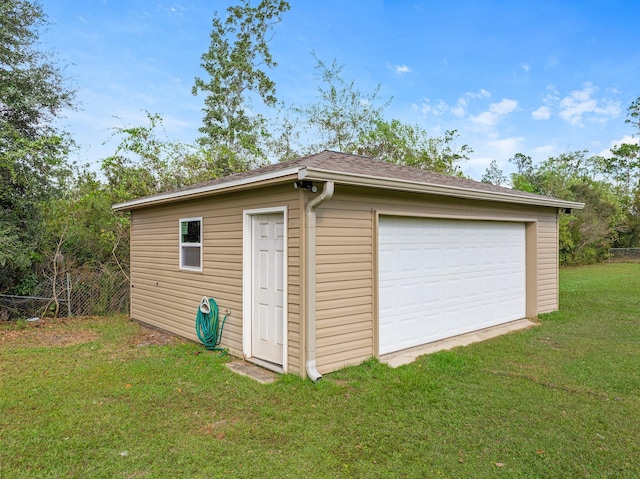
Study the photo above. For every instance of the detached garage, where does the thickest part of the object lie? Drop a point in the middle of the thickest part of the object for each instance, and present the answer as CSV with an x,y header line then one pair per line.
x,y
328,260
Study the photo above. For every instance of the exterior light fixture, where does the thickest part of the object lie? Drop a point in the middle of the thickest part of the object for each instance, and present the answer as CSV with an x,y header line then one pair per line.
x,y
305,185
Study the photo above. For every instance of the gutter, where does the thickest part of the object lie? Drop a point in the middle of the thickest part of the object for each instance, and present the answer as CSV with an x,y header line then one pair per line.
x,y
310,278
357,179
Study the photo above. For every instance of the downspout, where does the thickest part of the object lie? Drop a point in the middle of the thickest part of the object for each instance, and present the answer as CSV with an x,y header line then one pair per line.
x,y
310,279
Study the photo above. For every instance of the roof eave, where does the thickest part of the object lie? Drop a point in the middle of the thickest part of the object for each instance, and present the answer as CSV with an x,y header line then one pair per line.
x,y
354,179
206,190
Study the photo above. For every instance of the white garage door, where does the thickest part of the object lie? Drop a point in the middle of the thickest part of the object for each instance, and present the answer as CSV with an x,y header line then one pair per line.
x,y
439,278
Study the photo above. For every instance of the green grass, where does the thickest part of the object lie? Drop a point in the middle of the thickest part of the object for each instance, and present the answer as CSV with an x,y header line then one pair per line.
x,y
558,400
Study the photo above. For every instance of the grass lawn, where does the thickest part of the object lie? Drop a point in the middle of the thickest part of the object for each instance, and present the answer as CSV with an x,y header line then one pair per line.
x,y
93,398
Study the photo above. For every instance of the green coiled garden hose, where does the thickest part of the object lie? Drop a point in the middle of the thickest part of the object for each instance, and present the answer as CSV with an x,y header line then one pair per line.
x,y
208,326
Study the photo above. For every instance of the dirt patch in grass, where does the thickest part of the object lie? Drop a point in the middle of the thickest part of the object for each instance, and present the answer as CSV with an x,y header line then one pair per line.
x,y
64,332
59,332
154,337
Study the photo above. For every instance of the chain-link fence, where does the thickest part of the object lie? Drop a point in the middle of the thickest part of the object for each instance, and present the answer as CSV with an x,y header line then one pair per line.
x,y
81,292
620,255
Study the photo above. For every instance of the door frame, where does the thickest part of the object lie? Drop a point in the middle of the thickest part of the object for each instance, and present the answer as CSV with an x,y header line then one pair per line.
x,y
247,284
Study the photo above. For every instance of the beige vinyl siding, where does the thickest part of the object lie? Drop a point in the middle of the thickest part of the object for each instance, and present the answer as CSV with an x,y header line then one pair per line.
x,y
346,261
344,267
294,282
166,297
547,262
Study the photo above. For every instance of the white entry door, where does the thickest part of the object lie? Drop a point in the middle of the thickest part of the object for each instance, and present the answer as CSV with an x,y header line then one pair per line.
x,y
440,278
267,316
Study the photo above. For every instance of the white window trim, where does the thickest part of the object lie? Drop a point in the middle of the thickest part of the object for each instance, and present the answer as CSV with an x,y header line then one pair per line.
x,y
181,244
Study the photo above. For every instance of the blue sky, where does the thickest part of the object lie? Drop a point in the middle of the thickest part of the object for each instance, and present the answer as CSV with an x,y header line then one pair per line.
x,y
540,78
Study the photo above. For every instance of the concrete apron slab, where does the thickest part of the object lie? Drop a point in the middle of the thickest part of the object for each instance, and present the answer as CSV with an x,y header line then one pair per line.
x,y
252,371
407,356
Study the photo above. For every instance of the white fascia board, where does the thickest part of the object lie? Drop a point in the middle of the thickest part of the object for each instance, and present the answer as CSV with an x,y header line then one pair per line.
x,y
356,179
202,190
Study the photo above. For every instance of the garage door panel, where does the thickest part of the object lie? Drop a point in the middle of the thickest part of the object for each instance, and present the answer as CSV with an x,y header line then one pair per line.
x,y
452,292
386,265
472,255
472,286
439,278
432,259
410,260
409,295
432,293
452,260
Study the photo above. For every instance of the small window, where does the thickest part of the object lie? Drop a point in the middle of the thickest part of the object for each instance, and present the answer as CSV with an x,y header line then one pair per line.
x,y
191,244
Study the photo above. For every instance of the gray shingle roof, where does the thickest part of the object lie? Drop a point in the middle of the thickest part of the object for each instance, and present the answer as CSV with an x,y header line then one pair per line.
x,y
341,163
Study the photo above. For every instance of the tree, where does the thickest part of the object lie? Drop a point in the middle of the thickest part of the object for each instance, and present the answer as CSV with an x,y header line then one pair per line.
x,y
555,175
33,89
494,175
524,178
146,162
624,167
523,163
235,62
409,145
586,235
342,114
633,115
346,119
285,144
33,167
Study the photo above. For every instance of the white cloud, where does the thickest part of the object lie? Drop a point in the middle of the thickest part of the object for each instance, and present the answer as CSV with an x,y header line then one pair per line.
x,y
461,104
175,10
580,103
480,163
542,113
525,67
481,94
543,151
550,99
496,112
552,94
504,107
506,147
426,108
439,108
399,69
573,109
485,118
459,108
